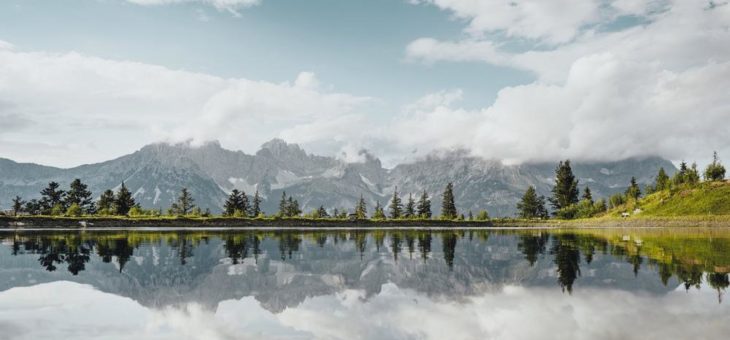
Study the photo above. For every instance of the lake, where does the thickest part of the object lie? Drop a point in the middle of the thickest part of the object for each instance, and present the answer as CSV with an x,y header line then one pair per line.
x,y
365,284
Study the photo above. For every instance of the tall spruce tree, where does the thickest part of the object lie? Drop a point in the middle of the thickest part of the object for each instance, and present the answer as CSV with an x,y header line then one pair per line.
x,y
184,204
378,214
565,191
256,206
662,180
681,176
633,191
105,204
531,205
448,207
424,206
52,198
361,210
283,205
693,175
123,201
233,203
18,204
396,206
587,195
410,210
79,194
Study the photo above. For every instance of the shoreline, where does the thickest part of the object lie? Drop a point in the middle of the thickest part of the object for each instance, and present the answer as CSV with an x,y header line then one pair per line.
x,y
8,223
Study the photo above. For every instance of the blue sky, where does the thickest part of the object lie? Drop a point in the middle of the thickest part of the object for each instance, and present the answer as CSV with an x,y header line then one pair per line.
x,y
357,46
525,80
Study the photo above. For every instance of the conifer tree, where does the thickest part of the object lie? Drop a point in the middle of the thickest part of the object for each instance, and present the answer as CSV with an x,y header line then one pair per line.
x,y
123,201
715,171
587,195
18,204
283,205
256,206
448,207
396,206
106,202
424,206
184,204
378,214
531,205
662,180
410,211
292,207
233,203
322,213
565,191
681,176
693,175
52,198
633,190
361,210
79,194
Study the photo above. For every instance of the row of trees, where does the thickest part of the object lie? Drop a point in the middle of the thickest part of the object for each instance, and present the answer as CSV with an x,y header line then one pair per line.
x,y
567,203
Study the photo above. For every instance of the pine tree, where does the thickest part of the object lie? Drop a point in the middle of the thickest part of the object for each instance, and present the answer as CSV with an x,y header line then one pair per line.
x,y
184,204
587,195
531,206
633,190
565,191
322,212
693,175
361,210
52,197
715,171
379,214
662,180
410,211
123,201
256,206
233,203
424,206
396,206
681,176
106,202
292,207
18,204
81,196
448,207
245,206
283,205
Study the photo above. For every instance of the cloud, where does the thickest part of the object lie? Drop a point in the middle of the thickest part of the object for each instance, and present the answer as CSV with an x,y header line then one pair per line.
x,y
654,88
497,314
549,22
97,108
232,6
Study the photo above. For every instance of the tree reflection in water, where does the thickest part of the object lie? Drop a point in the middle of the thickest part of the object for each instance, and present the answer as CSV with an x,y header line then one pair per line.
x,y
691,260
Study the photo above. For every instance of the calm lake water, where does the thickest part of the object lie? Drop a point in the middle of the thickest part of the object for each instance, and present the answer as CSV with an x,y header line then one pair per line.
x,y
384,284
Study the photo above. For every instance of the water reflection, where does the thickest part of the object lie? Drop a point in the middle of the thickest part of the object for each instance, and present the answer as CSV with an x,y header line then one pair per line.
x,y
289,276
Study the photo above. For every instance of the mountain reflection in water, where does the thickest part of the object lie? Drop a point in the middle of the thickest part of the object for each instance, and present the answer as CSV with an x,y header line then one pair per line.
x,y
371,284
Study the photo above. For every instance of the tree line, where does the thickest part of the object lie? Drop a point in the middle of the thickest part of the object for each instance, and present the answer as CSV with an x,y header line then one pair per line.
x,y
78,201
567,202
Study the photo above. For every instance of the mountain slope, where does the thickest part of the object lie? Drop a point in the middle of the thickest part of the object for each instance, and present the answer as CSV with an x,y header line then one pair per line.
x,y
157,172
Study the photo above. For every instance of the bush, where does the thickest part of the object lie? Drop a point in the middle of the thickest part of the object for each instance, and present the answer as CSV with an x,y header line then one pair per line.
x,y
482,215
57,210
74,210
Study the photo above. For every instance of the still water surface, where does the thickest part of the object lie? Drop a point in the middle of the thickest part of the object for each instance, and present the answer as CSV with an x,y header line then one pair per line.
x,y
375,284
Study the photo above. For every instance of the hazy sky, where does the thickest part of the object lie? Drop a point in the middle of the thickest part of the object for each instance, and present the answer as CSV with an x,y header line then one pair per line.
x,y
88,80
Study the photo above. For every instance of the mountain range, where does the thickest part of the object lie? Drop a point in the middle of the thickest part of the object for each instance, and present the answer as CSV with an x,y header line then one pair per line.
x,y
156,173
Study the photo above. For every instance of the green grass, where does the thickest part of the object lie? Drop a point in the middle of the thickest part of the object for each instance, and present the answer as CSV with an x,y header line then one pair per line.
x,y
706,199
